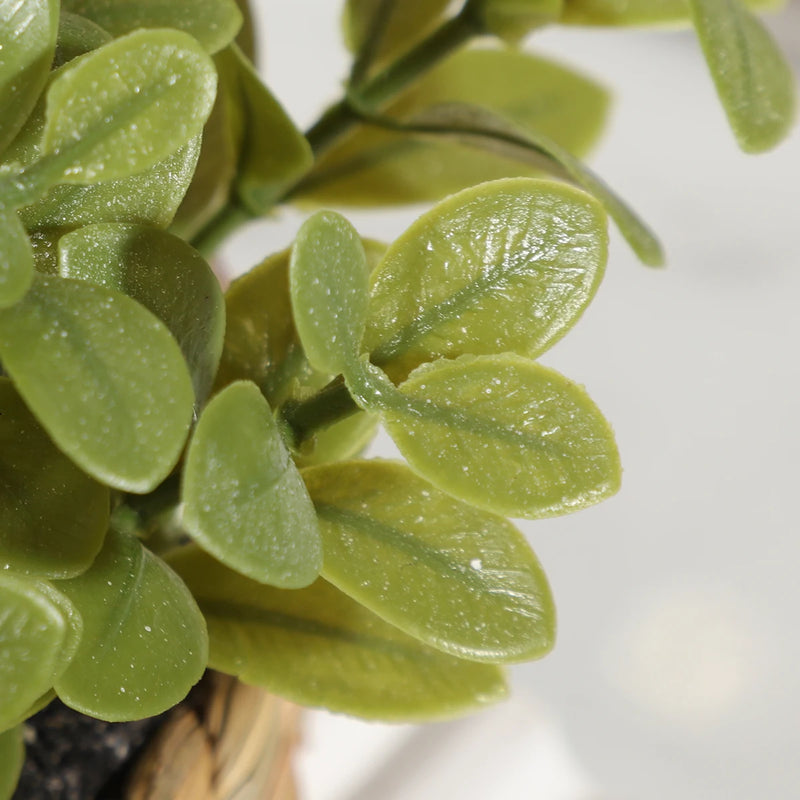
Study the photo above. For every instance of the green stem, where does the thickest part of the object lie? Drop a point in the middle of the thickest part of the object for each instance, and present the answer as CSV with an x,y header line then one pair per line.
x,y
331,404
219,228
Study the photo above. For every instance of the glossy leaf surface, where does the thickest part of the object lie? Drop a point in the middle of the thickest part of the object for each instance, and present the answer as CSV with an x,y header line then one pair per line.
x,y
213,23
244,500
150,197
460,579
28,33
637,12
329,288
505,434
506,266
53,517
753,79
16,258
512,19
104,378
77,35
39,630
123,108
144,644
379,167
12,756
482,128
165,275
318,647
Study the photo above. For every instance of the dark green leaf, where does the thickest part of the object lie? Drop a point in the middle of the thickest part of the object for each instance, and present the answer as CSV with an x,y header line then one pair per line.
x,y
144,644
76,36
28,33
753,79
318,647
166,276
53,517
12,756
503,433
329,288
459,579
479,127
39,632
16,258
505,266
244,500
104,378
213,23
374,166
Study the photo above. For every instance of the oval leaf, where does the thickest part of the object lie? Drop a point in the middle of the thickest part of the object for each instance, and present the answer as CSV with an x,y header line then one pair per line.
x,y
165,275
505,434
53,517
459,579
637,12
213,23
39,632
16,258
513,19
28,32
329,286
753,79
244,500
12,757
318,647
505,266
104,378
124,107
76,36
144,644
378,167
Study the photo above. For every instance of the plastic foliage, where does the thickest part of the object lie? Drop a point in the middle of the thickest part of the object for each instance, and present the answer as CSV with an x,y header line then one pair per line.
x,y
183,484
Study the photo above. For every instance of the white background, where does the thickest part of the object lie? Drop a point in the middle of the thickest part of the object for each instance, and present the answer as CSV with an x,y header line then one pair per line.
x,y
676,670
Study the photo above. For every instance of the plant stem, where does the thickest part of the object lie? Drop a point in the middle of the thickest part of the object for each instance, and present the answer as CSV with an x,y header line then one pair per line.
x,y
331,404
229,219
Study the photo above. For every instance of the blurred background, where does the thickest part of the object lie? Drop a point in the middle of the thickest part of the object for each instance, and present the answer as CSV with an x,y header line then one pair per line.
x,y
676,669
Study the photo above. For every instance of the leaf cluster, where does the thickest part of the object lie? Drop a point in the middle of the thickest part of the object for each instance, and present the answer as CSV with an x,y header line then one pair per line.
x,y
183,480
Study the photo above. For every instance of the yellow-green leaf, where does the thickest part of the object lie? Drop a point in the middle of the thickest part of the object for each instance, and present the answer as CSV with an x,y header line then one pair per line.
x,y
16,258
462,580
505,434
76,36
638,12
213,23
165,275
244,500
753,79
512,19
329,289
144,643
318,647
104,378
378,167
506,266
12,757
53,517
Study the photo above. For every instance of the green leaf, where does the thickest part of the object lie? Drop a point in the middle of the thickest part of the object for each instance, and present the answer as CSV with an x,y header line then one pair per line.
x,y
329,288
144,644
104,378
479,127
459,579
158,88
343,439
39,633
513,19
12,757
274,153
16,259
214,23
504,266
28,33
505,434
147,198
165,275
637,12
53,517
244,500
374,166
76,36
406,23
318,647
753,79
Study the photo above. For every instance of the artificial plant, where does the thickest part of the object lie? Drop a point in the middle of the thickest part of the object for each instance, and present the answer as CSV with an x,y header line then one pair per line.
x,y
182,484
